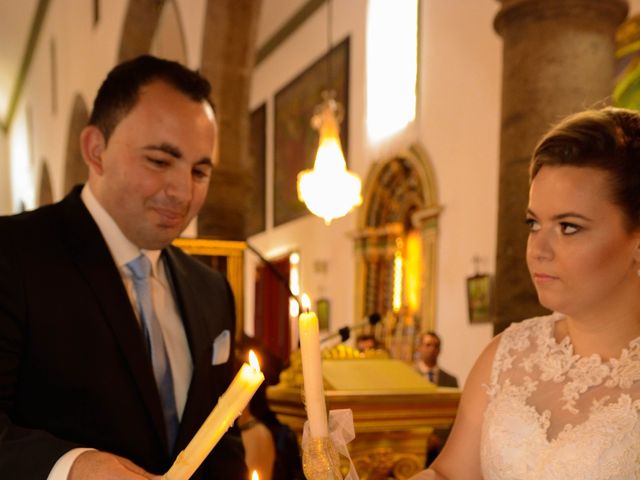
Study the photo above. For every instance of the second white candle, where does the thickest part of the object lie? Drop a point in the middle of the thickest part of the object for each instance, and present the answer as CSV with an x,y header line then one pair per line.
x,y
312,372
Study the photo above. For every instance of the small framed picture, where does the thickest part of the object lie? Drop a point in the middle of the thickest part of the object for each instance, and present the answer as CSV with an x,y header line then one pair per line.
x,y
323,309
479,298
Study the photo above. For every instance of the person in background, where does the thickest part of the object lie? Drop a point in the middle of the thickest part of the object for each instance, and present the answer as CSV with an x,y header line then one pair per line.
x,y
428,351
366,342
558,396
114,345
426,364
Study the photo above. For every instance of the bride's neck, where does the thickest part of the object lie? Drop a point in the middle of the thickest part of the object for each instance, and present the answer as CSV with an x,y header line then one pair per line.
x,y
602,334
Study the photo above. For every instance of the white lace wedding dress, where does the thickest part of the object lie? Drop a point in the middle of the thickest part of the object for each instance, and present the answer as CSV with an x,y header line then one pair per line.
x,y
555,415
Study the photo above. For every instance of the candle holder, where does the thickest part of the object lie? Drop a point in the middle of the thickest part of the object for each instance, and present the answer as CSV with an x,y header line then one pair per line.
x,y
320,460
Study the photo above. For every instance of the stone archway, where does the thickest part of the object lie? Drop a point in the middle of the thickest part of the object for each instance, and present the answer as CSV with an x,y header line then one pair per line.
x,y
140,23
75,170
45,191
168,40
399,201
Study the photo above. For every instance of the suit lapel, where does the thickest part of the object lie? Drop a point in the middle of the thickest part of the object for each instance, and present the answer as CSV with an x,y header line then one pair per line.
x,y
198,336
91,255
187,303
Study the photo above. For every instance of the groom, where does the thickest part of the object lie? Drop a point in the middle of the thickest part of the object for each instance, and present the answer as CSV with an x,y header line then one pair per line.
x,y
114,345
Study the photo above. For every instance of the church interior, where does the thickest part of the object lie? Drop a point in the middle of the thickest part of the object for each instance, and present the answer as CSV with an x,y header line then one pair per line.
x,y
439,104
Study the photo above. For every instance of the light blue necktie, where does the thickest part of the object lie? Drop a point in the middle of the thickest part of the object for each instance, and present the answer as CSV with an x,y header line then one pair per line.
x,y
140,269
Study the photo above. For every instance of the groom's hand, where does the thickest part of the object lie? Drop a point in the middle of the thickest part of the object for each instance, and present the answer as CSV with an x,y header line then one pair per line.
x,y
96,465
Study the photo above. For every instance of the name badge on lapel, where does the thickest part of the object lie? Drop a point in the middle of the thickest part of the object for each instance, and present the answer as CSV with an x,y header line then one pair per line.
x,y
221,348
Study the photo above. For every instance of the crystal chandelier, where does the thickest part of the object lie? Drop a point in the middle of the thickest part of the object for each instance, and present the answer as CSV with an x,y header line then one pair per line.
x,y
329,190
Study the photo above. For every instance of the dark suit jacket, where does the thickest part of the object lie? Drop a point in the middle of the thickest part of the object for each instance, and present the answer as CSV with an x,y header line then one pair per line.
x,y
445,379
73,367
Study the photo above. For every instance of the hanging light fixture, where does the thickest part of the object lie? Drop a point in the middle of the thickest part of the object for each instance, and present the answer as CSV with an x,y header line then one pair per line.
x,y
329,190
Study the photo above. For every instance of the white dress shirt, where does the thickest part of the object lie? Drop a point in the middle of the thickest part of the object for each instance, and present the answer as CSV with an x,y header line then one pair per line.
x,y
173,333
425,370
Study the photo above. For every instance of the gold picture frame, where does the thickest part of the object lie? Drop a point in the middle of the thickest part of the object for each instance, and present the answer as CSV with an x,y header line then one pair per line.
x,y
479,294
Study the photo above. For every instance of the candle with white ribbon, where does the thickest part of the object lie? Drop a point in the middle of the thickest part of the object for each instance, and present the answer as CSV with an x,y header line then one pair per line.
x,y
228,408
312,371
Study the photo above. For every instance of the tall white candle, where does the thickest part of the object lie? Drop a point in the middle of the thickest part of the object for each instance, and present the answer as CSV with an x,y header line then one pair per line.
x,y
312,372
228,408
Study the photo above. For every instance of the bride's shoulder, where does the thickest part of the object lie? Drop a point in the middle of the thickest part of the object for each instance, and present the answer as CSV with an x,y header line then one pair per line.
x,y
517,336
481,371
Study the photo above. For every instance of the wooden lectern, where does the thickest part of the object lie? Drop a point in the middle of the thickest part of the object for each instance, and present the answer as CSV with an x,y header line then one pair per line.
x,y
394,408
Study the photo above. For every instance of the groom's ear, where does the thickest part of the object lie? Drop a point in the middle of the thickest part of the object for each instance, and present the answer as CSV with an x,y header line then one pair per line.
x,y
92,145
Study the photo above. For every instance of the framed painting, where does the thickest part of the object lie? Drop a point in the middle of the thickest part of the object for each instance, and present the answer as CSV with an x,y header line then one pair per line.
x,y
295,141
479,298
256,215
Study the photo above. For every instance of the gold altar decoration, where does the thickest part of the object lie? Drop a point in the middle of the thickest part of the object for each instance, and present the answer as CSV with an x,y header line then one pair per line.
x,y
394,408
400,201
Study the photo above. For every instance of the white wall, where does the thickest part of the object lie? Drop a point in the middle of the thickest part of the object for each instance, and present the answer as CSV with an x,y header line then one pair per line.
x,y
84,55
273,15
459,126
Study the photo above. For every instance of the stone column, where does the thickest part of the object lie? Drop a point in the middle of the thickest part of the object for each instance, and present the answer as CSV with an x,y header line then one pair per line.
x,y
558,58
228,57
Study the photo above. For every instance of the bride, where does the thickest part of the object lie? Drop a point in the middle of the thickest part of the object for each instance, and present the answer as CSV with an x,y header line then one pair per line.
x,y
558,397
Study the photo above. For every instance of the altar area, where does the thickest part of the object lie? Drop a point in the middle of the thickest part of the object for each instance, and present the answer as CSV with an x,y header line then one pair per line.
x,y
394,409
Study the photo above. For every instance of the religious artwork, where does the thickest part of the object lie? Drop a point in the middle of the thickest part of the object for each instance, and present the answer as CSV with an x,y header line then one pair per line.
x,y
479,298
295,141
397,187
256,215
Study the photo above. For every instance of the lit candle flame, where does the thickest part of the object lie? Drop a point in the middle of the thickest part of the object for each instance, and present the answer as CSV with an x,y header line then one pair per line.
x,y
254,475
306,303
253,361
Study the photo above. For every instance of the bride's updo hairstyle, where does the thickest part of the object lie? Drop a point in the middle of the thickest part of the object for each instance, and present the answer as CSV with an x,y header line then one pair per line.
x,y
606,139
